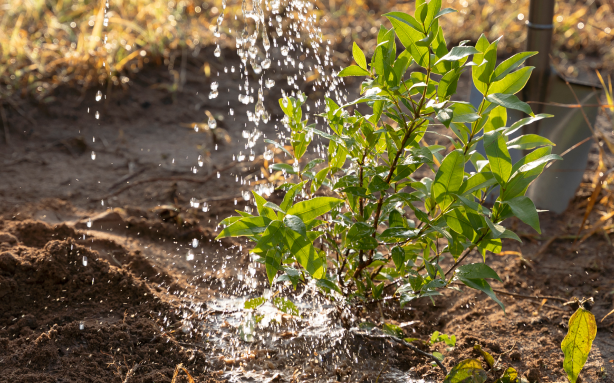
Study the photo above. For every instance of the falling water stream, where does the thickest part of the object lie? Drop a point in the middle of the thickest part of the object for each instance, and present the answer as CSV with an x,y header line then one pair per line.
x,y
278,37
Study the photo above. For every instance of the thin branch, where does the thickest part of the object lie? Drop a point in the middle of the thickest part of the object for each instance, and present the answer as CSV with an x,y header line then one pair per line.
x,y
406,344
175,179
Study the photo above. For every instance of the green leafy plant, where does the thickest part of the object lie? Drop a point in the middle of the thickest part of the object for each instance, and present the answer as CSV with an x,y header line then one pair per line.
x,y
367,220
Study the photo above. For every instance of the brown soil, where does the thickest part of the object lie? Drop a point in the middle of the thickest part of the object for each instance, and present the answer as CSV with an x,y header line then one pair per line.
x,y
145,308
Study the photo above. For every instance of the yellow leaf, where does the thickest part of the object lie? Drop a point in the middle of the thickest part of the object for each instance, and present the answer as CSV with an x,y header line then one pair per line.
x,y
578,342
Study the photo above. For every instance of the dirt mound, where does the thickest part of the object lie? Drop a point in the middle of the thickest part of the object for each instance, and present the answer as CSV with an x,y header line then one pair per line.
x,y
68,315
37,234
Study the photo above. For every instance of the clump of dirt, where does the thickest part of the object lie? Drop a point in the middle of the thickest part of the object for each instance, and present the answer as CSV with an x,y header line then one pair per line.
x,y
36,233
68,315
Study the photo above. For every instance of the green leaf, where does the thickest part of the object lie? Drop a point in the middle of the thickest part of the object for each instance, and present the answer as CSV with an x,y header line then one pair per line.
x,y
497,118
359,56
306,255
313,208
359,230
482,285
405,28
458,53
482,72
313,163
534,164
476,271
254,303
262,210
477,181
487,357
444,11
377,184
278,145
291,275
364,243
293,222
289,197
272,236
525,121
458,221
467,371
525,210
272,263
230,220
513,82
578,342
245,226
398,257
396,219
498,156
496,230
509,376
447,87
353,70
449,178
327,285
273,206
285,305
510,64
529,141
283,167
509,101
393,330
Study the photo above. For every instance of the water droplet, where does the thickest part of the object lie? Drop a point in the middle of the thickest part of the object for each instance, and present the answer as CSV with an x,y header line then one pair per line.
x,y
89,222
231,111
266,64
84,260
296,166
275,6
93,155
194,202
212,123
269,83
260,105
189,256
217,52
98,96
285,50
82,325
284,101
279,30
97,115
200,161
268,155
252,156
213,94
195,242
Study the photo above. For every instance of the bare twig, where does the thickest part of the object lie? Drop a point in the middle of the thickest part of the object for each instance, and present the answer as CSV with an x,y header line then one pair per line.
x,y
174,179
545,247
406,344
131,372
535,297
126,178
380,372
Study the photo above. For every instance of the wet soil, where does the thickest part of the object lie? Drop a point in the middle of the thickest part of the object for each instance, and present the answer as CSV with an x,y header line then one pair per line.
x,y
157,291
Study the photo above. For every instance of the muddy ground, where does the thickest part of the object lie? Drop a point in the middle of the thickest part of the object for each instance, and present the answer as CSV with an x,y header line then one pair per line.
x,y
101,280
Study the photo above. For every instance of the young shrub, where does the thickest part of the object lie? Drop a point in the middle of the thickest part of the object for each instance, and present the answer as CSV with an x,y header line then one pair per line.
x,y
361,223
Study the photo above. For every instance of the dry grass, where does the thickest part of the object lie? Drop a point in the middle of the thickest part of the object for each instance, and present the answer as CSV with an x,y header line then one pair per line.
x,y
46,44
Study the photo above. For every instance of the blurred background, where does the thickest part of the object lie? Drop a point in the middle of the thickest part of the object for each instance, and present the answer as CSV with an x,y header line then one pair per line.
x,y
44,44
